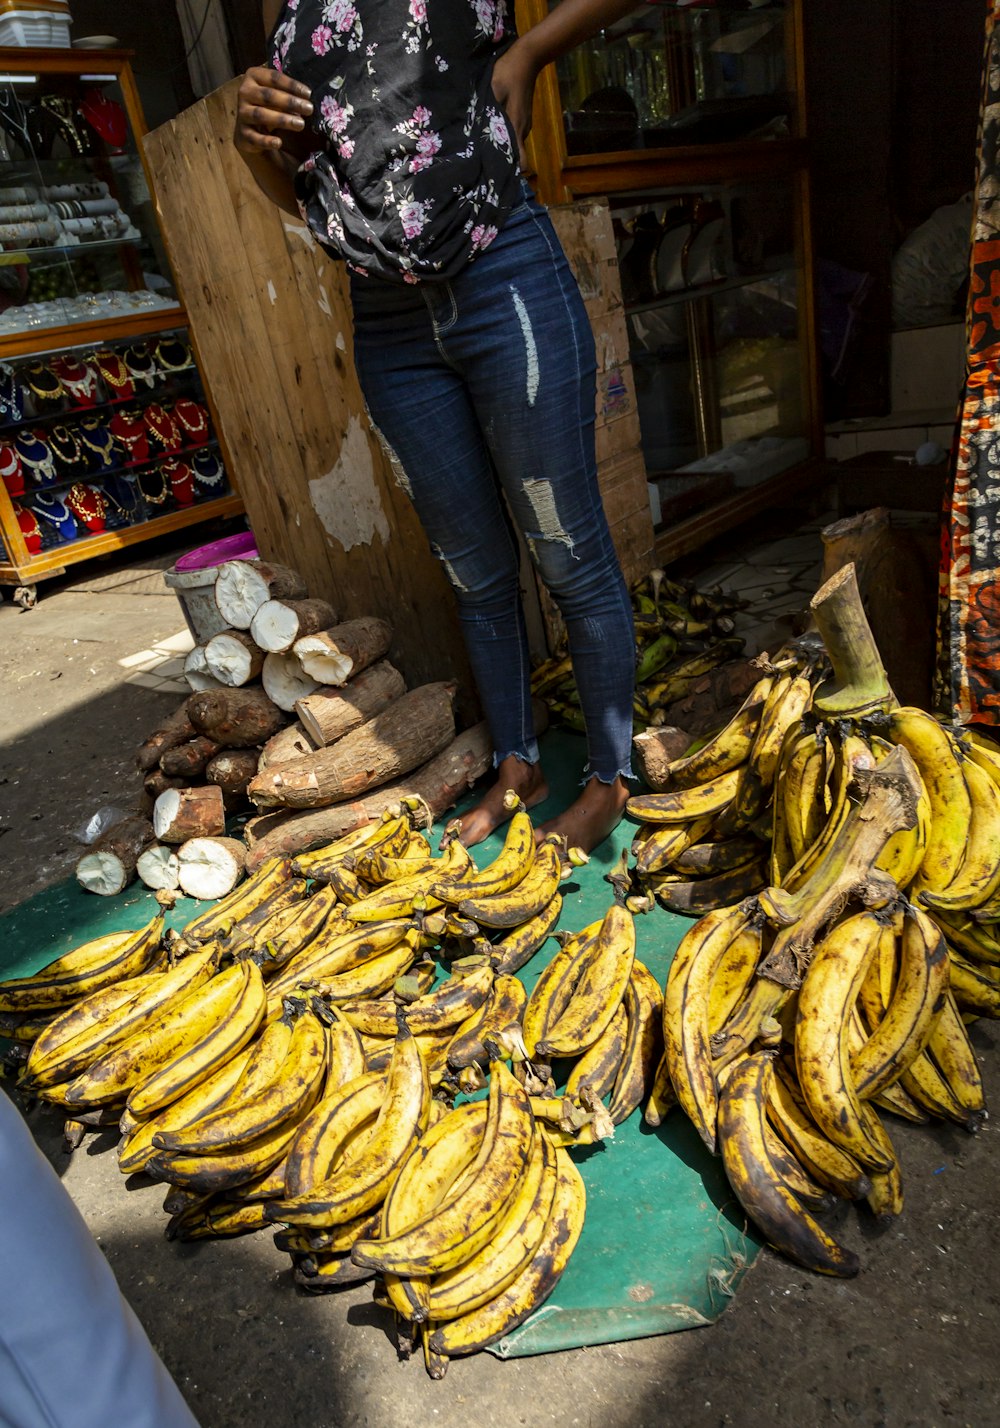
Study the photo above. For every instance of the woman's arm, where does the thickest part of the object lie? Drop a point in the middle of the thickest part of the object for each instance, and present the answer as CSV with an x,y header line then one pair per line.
x,y
565,27
271,113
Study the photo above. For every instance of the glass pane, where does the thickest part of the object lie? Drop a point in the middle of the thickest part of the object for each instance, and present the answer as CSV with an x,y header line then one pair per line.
x,y
712,293
101,436
78,237
666,76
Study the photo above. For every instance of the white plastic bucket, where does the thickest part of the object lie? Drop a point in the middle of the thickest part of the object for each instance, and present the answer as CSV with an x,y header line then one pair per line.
x,y
192,579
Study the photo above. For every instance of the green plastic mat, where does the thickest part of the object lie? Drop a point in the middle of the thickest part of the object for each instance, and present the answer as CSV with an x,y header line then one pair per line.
x,y
664,1243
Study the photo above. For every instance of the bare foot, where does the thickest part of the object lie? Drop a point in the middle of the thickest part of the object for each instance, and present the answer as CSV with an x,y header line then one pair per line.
x,y
593,815
527,781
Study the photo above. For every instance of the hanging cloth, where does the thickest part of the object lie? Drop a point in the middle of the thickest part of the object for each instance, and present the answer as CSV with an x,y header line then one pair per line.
x,y
968,677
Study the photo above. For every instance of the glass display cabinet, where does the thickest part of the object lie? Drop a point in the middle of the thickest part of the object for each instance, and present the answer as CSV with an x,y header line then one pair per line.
x,y
690,120
106,431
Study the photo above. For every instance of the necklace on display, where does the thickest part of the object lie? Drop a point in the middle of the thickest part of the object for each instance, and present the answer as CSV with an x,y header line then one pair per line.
x,y
52,510
140,364
88,504
98,439
65,445
79,379
193,418
11,395
208,468
43,383
36,456
129,431
173,354
11,472
30,530
181,479
154,485
111,367
162,427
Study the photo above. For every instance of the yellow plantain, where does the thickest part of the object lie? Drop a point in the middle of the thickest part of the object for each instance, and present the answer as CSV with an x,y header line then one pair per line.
x,y
221,916
643,1004
656,847
978,878
338,948
260,1104
936,755
976,988
536,1281
954,1056
446,1006
786,703
324,1136
511,864
597,1069
359,1185
826,999
136,1147
510,1249
551,993
438,1160
398,899
686,1033
224,1172
828,1165
527,899
902,1031
100,1039
662,1096
785,1224
729,748
441,1239
116,957
514,951
63,1026
505,1004
371,978
885,1198
598,993
685,805
111,1077
197,1057
733,975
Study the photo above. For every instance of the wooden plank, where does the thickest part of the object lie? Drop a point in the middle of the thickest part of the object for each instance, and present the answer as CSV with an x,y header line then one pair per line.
x,y
270,315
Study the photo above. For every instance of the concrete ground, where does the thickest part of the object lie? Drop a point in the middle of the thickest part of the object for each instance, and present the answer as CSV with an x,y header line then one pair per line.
x,y
910,1343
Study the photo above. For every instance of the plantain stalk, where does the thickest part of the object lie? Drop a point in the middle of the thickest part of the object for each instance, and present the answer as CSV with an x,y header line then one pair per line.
x,y
859,684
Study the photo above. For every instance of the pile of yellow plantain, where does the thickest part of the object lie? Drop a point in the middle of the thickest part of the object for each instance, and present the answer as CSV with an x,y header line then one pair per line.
x,y
797,1018
291,1058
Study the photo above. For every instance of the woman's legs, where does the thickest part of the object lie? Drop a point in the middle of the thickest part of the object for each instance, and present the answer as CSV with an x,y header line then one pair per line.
x,y
488,382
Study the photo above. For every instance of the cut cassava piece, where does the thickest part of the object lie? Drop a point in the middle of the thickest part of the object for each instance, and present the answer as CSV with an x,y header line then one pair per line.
x,y
175,730
242,586
188,760
183,813
210,867
438,784
234,658
279,623
333,656
285,681
108,866
655,750
235,718
412,730
329,714
232,770
287,745
159,868
196,670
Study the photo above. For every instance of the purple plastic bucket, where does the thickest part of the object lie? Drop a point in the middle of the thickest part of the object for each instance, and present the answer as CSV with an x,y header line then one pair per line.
x,y
234,547
192,579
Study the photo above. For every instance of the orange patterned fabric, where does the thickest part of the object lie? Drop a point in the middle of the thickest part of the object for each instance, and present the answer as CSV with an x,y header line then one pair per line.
x,y
968,684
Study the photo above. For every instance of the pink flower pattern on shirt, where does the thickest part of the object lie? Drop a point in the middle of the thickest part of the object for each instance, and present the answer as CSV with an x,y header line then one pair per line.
x,y
370,190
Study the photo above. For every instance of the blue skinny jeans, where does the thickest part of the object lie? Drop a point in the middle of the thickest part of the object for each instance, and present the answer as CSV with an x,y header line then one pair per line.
x,y
483,388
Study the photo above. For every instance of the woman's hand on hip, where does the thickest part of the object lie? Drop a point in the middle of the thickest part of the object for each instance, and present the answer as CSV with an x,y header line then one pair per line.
x,y
270,107
514,75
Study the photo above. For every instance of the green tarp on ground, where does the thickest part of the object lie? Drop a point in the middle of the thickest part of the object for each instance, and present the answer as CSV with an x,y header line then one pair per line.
x,y
664,1243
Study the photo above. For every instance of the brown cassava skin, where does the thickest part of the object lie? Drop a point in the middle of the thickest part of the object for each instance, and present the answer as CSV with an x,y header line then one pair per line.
x,y
175,730
236,718
189,760
439,783
332,713
410,731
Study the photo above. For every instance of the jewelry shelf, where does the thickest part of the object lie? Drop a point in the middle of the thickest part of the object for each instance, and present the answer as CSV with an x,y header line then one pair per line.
x,y
92,91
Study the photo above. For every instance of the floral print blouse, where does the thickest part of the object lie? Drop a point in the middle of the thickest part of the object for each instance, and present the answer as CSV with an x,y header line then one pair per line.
x,y
416,167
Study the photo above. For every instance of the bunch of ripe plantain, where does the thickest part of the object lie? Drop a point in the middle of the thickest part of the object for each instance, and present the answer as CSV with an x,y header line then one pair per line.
x,y
681,635
798,1019
291,1058
705,841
